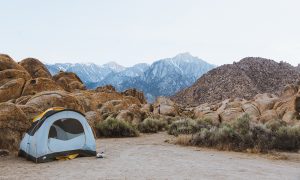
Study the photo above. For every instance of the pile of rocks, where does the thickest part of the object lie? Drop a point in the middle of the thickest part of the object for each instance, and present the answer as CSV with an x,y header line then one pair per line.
x,y
262,108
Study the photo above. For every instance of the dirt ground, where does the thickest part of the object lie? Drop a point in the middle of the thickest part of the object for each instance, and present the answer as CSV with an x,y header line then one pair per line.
x,y
150,157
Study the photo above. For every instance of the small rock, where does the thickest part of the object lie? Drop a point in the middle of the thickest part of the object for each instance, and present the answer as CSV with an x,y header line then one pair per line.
x,y
4,152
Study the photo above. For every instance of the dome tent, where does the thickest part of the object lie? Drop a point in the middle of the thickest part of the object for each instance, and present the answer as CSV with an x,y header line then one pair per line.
x,y
56,133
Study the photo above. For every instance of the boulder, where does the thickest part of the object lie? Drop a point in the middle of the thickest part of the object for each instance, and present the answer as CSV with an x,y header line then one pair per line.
x,y
230,109
231,114
11,74
251,109
125,115
106,89
290,116
208,114
288,104
35,68
37,85
289,90
4,152
11,89
135,93
49,99
93,117
265,101
147,108
11,83
85,99
165,106
98,99
268,115
13,123
30,111
7,62
23,100
199,110
297,103
69,81
132,115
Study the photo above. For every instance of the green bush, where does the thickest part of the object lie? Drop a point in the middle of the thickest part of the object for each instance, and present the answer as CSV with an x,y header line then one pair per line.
x,y
204,123
151,125
183,126
241,134
287,138
274,125
112,127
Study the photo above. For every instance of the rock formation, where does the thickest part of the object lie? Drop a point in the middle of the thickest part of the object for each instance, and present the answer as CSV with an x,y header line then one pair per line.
x,y
69,81
262,108
12,79
35,68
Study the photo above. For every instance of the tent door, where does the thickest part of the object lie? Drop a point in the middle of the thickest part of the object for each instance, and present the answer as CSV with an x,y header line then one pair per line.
x,y
66,135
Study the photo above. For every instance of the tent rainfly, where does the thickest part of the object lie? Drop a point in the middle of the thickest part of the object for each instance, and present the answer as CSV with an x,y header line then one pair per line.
x,y
58,133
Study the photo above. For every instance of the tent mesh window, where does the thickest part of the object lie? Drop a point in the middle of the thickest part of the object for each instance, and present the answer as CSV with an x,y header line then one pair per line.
x,y
66,129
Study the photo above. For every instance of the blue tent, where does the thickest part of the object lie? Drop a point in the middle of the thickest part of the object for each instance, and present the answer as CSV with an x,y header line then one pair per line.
x,y
58,133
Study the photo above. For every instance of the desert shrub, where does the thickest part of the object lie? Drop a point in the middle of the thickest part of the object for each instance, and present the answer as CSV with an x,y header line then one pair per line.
x,y
241,135
262,138
224,137
242,124
275,124
151,125
287,138
112,127
204,123
183,126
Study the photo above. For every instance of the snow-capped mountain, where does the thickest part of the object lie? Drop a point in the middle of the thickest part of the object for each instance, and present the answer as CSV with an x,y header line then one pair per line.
x,y
164,77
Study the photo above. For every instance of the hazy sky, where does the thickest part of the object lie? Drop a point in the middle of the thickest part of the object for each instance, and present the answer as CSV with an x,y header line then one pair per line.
x,y
133,31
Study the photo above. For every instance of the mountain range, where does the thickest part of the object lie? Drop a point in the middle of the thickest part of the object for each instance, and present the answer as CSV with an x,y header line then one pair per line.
x,y
243,79
164,77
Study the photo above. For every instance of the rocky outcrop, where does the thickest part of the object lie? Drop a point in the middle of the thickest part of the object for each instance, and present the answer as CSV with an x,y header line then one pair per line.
x,y
243,79
69,81
11,89
107,89
135,93
262,108
132,114
265,101
251,109
49,99
93,117
13,123
165,106
37,85
12,79
6,62
35,68
24,95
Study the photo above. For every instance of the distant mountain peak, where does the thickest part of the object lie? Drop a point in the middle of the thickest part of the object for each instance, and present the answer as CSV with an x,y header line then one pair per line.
x,y
162,78
114,66
184,55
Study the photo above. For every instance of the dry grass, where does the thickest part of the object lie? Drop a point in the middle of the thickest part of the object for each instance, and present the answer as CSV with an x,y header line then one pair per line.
x,y
183,139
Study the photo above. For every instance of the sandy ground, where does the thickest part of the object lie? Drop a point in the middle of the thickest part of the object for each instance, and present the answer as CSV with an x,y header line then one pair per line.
x,y
150,157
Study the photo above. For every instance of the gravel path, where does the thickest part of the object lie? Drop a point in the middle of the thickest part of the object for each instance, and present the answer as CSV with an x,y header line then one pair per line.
x,y
150,157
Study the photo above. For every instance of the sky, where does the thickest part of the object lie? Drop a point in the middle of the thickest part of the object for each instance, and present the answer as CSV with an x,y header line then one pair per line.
x,y
136,31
